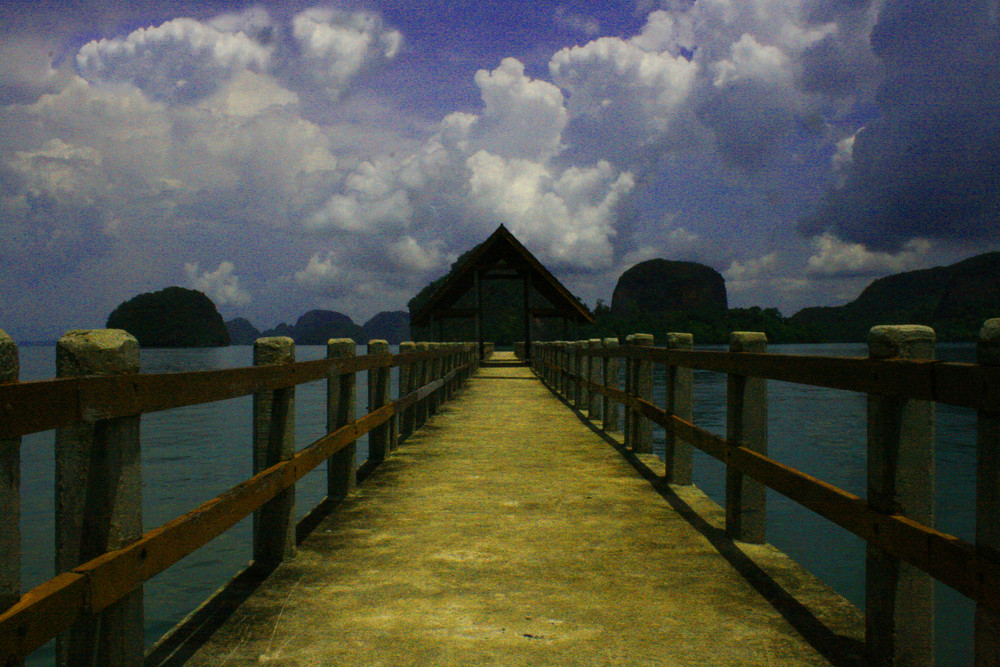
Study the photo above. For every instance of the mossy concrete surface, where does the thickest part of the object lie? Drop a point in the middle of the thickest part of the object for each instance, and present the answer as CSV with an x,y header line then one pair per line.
x,y
509,532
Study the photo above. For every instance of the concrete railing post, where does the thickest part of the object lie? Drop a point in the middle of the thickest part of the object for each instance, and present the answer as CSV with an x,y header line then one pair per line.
x,y
378,396
899,598
746,426
680,388
609,371
273,442
407,378
341,402
594,375
628,416
10,489
642,428
98,504
421,374
435,398
578,368
987,624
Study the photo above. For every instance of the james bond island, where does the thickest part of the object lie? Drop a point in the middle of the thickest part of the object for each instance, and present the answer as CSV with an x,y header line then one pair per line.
x,y
510,509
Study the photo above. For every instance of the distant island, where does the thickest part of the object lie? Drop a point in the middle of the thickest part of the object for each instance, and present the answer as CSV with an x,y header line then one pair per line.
x,y
316,327
171,317
954,300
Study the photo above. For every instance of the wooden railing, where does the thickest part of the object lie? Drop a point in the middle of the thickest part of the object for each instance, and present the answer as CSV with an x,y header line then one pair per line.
x,y
902,381
94,604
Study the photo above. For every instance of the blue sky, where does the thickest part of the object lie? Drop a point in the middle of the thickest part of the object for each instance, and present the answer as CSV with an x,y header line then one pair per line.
x,y
296,155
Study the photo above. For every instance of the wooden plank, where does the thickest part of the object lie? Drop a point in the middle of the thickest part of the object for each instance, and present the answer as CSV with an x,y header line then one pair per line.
x,y
41,614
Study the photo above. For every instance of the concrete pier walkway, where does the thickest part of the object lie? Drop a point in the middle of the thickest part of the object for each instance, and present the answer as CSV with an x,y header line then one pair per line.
x,y
509,532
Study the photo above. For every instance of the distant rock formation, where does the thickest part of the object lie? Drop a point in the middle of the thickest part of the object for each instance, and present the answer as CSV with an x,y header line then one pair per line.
x,y
660,286
393,326
317,327
241,332
172,317
955,300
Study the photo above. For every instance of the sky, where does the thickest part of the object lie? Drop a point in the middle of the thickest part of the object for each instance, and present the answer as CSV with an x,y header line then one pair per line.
x,y
285,156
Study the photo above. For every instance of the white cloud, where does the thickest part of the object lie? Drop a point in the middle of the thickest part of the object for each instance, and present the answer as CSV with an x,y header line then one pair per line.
x,y
833,256
323,275
568,217
222,285
180,60
523,117
408,254
337,45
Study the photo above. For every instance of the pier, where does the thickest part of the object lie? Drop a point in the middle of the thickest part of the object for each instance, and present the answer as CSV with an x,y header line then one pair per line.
x,y
510,512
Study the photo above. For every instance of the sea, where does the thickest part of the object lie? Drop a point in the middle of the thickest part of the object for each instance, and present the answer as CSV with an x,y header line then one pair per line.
x,y
192,454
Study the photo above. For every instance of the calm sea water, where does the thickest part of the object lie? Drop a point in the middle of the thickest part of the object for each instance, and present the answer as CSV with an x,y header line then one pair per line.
x,y
194,453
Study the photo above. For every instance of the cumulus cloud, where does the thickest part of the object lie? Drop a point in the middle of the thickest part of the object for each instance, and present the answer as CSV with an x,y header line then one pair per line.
x,y
835,257
183,59
323,275
567,218
222,285
338,45
409,255
927,166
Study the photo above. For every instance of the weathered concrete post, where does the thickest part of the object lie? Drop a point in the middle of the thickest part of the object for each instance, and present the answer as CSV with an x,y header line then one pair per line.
x,y
594,374
341,468
10,489
680,388
628,416
899,598
273,442
421,374
746,426
378,396
987,643
407,377
578,371
642,427
435,398
98,503
609,371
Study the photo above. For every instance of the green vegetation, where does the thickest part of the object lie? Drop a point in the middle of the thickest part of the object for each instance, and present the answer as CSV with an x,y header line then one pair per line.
x,y
954,300
172,317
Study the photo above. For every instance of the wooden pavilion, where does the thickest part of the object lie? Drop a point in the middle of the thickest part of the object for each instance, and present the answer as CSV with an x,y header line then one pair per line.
x,y
500,257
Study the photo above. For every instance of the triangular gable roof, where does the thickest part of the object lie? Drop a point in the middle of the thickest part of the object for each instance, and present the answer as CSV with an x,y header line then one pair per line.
x,y
501,247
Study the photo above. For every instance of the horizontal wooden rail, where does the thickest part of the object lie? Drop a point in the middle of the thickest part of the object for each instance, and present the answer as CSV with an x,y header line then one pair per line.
x,y
963,385
945,557
52,607
30,407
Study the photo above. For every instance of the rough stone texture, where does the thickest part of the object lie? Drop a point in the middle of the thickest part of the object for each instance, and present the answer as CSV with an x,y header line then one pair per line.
x,y
98,503
274,441
507,532
97,352
659,286
899,598
988,350
906,341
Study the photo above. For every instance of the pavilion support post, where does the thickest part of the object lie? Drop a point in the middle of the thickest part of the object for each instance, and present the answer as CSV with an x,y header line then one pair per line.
x,y
746,426
273,442
680,387
609,371
987,623
341,468
98,504
10,489
479,316
899,598
526,282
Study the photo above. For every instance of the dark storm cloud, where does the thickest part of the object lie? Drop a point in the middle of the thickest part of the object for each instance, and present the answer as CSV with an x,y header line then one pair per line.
x,y
929,165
